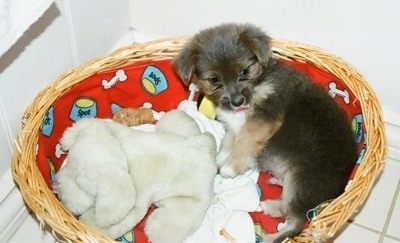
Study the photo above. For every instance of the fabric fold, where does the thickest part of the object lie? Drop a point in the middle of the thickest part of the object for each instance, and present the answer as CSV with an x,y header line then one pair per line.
x,y
16,16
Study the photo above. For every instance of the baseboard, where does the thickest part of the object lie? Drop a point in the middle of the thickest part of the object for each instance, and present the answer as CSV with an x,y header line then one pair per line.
x,y
125,40
132,37
12,210
7,185
14,224
140,37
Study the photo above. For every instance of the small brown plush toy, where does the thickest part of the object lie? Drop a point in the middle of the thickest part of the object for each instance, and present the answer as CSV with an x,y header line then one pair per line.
x,y
134,116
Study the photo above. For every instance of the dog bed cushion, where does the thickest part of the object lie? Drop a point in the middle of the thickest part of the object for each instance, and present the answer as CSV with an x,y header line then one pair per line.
x,y
154,84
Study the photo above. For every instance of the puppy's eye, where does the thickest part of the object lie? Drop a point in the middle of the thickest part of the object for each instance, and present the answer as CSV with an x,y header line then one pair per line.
x,y
214,80
245,71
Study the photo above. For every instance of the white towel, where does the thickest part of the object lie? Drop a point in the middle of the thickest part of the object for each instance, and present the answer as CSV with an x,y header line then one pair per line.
x,y
205,124
16,16
234,199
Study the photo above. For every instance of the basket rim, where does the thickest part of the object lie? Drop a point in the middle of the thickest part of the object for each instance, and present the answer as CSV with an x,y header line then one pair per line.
x,y
38,196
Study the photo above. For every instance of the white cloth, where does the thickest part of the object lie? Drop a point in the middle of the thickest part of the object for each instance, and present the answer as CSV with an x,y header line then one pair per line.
x,y
205,124
234,199
15,18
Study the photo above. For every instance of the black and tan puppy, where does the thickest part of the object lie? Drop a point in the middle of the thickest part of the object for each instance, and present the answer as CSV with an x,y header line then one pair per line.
x,y
276,120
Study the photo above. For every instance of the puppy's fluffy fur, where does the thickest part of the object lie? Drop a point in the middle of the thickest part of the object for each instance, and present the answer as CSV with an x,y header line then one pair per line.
x,y
276,119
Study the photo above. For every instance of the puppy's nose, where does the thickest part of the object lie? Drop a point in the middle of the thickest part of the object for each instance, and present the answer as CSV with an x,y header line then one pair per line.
x,y
237,101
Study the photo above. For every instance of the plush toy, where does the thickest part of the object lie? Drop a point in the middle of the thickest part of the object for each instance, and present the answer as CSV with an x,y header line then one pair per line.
x,y
113,174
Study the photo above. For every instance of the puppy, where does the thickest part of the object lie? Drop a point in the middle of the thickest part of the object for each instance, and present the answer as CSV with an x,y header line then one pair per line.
x,y
276,120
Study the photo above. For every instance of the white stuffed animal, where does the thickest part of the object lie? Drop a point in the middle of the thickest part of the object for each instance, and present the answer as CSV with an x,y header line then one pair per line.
x,y
114,174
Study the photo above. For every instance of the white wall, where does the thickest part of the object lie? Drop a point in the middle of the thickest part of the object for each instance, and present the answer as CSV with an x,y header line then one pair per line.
x,y
68,34
363,32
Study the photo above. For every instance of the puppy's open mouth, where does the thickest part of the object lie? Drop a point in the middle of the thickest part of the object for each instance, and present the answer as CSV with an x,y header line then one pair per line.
x,y
241,108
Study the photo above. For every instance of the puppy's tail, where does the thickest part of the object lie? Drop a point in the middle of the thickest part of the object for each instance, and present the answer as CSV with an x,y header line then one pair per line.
x,y
293,227
289,234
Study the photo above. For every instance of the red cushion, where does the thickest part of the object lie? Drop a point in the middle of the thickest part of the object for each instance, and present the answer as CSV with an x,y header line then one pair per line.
x,y
156,83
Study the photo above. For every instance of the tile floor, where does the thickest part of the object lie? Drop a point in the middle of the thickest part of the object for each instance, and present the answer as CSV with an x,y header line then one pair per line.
x,y
377,222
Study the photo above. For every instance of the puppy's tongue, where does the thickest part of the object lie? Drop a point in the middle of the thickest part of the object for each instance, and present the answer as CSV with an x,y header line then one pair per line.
x,y
241,108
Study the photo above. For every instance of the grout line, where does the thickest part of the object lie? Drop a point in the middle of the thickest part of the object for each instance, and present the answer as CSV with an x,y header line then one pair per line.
x,y
393,237
131,9
390,212
365,227
71,31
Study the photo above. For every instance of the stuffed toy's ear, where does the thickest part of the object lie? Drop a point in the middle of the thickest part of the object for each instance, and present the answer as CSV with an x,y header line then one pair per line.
x,y
179,123
184,64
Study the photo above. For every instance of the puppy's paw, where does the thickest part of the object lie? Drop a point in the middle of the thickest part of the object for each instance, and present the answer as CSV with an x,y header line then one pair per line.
x,y
272,207
227,171
233,167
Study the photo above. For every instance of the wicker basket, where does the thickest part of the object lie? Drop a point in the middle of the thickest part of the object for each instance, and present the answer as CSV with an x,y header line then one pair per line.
x,y
41,200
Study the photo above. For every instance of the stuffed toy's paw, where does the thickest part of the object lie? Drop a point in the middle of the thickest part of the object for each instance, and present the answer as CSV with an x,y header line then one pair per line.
x,y
96,173
183,124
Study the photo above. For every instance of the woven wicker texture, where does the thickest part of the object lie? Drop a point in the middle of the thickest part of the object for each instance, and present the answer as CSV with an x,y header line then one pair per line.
x,y
49,210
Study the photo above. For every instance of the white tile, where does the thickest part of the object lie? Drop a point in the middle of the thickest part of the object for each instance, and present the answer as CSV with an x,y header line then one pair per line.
x,y
29,231
394,224
390,240
354,233
376,208
5,144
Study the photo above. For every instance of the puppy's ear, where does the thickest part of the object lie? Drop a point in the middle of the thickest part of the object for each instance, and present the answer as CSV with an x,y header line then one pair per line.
x,y
258,42
184,63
